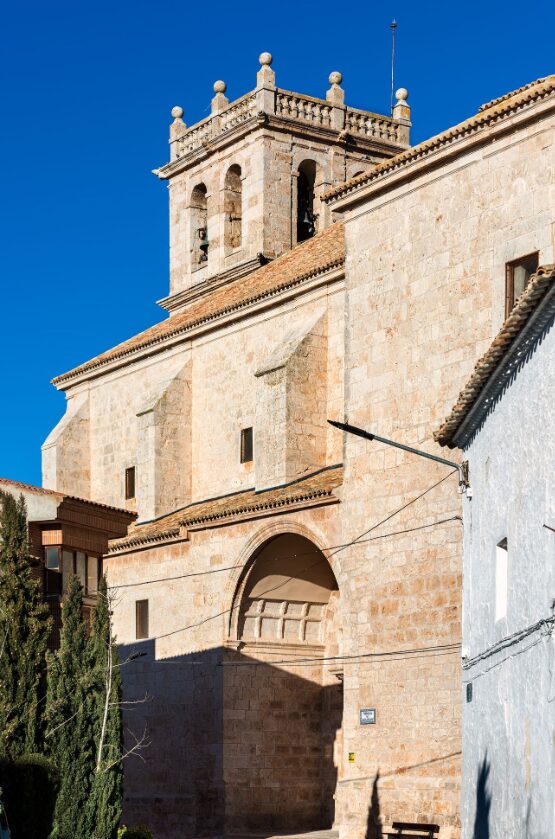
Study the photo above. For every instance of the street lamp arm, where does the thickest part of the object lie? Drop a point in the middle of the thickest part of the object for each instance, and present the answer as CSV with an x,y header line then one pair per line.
x,y
462,468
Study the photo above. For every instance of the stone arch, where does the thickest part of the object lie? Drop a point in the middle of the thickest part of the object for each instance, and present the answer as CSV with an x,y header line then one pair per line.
x,y
277,682
247,557
233,208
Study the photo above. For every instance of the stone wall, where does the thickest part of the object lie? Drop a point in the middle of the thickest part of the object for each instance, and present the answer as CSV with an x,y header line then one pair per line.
x,y
237,739
425,295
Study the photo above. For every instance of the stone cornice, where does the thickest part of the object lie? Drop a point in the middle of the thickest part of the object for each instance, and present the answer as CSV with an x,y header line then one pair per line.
x,y
316,490
188,295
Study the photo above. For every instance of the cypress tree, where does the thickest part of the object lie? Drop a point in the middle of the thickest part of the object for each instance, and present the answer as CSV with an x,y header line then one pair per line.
x,y
69,737
104,804
24,630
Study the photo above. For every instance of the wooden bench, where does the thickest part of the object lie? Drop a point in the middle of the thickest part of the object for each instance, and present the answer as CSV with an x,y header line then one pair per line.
x,y
408,829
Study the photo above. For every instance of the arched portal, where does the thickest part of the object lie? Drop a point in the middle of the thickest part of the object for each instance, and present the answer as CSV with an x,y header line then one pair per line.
x,y
283,703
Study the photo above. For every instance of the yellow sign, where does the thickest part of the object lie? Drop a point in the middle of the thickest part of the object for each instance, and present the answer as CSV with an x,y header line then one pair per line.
x,y
351,757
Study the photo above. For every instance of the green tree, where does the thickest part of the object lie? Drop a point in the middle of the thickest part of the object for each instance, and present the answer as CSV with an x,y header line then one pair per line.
x,y
24,630
69,736
104,804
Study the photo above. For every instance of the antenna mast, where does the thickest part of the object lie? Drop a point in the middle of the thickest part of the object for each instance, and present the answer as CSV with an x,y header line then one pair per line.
x,y
393,27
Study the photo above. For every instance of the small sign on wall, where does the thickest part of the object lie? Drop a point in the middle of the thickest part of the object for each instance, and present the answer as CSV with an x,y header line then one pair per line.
x,y
351,757
367,716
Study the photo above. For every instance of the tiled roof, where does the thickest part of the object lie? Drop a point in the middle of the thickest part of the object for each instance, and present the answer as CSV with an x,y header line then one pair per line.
x,y
316,256
315,488
508,338
18,486
489,113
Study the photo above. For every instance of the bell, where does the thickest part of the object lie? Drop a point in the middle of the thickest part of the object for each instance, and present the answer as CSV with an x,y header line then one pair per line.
x,y
204,244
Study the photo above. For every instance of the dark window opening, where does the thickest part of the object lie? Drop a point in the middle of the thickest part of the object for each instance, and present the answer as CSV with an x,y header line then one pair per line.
x,y
517,277
130,483
141,619
233,208
306,220
199,227
246,445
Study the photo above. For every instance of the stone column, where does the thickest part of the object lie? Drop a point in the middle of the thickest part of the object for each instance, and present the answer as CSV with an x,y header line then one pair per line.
x,y
336,97
401,114
177,130
265,85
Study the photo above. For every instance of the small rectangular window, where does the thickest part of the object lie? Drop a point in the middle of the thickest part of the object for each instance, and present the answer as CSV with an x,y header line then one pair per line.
x,y
141,618
517,277
130,482
246,445
501,579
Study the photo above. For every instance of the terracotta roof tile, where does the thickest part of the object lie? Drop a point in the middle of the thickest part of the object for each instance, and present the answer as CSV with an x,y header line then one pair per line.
x,y
317,255
316,487
528,302
18,486
490,112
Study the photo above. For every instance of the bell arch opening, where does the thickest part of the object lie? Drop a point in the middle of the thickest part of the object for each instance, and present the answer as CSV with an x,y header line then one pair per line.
x,y
199,226
306,218
233,208
283,700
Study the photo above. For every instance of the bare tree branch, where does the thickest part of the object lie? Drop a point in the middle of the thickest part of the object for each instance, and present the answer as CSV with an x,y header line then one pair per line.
x,y
139,745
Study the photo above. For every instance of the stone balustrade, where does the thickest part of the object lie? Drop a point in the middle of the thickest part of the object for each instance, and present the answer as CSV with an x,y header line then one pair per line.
x,y
330,113
371,125
238,112
304,108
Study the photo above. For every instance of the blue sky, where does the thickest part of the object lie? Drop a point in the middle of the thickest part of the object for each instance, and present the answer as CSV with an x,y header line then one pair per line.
x,y
86,100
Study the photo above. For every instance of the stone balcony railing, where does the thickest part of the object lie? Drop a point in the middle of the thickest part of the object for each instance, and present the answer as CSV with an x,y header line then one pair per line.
x,y
330,113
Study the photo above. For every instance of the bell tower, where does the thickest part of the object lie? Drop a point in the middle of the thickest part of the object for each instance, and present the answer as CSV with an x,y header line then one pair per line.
x,y
245,183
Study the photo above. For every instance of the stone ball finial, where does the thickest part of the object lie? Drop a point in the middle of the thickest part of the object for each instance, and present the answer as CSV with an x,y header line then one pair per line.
x,y
402,94
335,77
177,112
220,86
265,58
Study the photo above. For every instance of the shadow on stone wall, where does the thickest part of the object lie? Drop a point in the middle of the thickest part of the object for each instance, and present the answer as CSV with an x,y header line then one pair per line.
x,y
483,802
374,824
236,745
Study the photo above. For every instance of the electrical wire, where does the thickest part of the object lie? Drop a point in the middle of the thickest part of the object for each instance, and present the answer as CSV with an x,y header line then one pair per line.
x,y
318,562
446,648
509,640
329,661
287,556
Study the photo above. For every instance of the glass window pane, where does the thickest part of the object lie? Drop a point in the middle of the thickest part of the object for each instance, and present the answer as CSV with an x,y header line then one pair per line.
x,y
53,559
81,568
92,574
67,568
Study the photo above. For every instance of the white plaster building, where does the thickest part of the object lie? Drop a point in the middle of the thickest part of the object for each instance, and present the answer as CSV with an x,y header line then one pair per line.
x,y
503,421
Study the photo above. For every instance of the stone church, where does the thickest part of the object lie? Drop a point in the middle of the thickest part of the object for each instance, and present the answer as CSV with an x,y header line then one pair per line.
x,y
294,592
